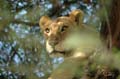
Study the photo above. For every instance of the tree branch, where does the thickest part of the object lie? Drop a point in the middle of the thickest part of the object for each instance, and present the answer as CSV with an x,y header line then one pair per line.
x,y
26,23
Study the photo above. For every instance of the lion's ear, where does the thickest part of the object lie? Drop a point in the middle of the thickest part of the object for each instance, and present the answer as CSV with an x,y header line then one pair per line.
x,y
77,16
44,20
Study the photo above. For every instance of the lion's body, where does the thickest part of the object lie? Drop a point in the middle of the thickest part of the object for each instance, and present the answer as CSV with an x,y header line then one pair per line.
x,y
56,32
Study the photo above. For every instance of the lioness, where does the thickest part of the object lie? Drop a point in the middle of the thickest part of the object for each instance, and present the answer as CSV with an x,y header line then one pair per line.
x,y
56,33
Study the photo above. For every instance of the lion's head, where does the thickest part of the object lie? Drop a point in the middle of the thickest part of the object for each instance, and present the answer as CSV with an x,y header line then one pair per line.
x,y
56,30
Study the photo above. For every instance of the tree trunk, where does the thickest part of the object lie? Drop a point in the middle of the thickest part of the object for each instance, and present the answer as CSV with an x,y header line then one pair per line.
x,y
111,30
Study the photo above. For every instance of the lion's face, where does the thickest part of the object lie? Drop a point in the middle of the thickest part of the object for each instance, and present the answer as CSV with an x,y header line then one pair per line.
x,y
57,30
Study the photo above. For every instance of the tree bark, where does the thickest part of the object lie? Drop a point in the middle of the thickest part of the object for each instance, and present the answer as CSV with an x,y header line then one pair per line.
x,y
112,29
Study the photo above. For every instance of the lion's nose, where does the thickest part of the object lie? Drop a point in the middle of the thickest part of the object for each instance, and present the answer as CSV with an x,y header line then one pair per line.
x,y
53,41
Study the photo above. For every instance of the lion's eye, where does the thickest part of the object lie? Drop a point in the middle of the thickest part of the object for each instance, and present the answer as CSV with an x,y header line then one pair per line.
x,y
47,30
64,28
